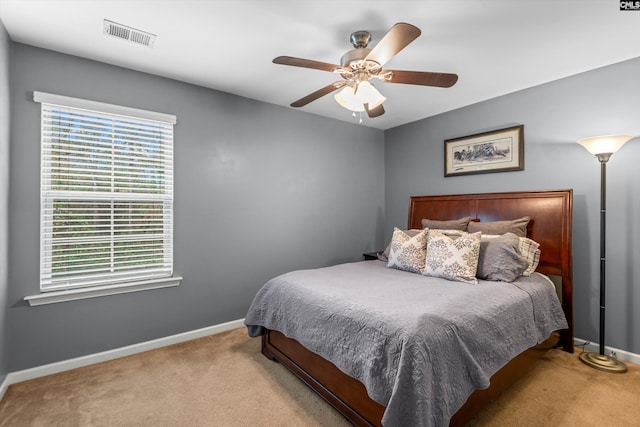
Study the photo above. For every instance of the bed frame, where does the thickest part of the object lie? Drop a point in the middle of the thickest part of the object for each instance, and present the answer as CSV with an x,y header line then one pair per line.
x,y
550,225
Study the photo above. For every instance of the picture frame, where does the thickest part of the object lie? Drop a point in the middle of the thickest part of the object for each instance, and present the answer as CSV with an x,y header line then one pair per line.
x,y
494,151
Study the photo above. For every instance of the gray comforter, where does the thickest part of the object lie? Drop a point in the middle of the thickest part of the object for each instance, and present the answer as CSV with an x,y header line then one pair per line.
x,y
420,345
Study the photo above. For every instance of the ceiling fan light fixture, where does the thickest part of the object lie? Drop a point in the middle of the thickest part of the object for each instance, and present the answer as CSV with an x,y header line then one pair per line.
x,y
368,94
354,97
347,99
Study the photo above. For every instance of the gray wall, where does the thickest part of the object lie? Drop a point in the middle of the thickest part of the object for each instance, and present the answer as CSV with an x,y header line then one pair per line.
x,y
554,115
259,190
5,49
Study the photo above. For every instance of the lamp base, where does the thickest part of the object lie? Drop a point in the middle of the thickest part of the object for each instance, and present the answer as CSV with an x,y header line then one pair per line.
x,y
602,362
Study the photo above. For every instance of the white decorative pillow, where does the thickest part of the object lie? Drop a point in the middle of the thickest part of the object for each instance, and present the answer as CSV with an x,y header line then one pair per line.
x,y
453,259
407,252
529,250
454,234
384,256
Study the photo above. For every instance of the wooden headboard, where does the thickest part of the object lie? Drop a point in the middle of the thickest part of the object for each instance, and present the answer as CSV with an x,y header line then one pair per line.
x,y
550,211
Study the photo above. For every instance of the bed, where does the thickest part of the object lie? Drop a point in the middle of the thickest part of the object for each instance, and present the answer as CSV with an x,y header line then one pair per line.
x,y
368,367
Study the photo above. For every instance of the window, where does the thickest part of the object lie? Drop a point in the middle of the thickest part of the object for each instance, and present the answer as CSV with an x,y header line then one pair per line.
x,y
106,194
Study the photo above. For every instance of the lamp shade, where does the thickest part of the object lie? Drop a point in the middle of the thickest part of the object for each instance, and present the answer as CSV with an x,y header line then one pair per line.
x,y
606,144
347,98
368,94
354,98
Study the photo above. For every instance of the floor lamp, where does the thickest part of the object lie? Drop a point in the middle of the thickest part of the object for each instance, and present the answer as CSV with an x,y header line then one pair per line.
x,y
603,147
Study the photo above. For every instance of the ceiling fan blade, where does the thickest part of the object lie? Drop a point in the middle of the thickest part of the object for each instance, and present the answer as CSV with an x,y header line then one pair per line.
x,y
318,94
423,78
305,63
396,39
374,112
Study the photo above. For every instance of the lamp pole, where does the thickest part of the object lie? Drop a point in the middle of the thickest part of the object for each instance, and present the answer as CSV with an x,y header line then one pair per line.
x,y
603,239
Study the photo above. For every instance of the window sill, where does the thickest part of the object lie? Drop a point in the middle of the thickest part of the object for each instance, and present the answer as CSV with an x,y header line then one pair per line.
x,y
93,292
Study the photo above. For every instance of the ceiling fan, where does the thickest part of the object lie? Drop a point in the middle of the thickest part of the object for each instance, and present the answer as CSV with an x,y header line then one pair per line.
x,y
360,65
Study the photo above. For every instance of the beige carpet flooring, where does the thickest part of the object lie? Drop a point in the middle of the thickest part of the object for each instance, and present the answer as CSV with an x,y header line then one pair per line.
x,y
223,380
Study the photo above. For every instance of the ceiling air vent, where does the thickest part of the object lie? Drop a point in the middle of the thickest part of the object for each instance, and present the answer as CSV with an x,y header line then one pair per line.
x,y
127,33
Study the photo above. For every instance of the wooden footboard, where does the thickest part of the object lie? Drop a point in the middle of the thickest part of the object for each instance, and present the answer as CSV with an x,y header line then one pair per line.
x,y
349,396
346,394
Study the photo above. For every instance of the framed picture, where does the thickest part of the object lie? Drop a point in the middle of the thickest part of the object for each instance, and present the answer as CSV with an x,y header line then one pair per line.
x,y
495,151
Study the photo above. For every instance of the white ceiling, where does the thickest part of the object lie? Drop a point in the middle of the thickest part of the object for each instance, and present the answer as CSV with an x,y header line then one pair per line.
x,y
495,46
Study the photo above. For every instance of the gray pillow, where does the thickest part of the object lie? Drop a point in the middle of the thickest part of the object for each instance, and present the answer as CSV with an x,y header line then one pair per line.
x,y
515,226
452,224
500,258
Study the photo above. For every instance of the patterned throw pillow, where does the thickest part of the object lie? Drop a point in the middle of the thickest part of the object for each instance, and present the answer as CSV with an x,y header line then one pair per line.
x,y
384,256
407,252
530,252
453,259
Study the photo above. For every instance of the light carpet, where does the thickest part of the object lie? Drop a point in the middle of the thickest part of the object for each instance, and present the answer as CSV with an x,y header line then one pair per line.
x,y
223,380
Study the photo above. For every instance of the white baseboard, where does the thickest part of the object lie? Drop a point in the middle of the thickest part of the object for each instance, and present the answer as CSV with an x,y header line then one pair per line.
x,y
78,362
625,356
3,387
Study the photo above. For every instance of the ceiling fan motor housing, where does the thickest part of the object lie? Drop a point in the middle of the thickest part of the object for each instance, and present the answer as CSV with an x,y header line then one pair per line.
x,y
360,39
354,58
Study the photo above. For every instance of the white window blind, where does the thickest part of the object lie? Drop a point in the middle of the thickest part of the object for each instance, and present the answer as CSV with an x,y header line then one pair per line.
x,y
106,194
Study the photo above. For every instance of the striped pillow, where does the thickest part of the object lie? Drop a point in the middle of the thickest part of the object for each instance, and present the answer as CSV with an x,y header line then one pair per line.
x,y
529,250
